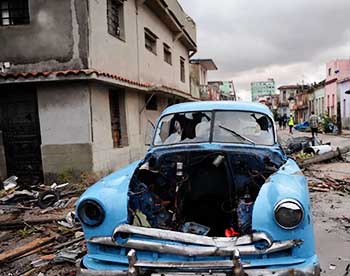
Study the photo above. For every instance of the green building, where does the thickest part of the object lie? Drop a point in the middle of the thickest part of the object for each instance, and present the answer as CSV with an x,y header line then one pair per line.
x,y
262,88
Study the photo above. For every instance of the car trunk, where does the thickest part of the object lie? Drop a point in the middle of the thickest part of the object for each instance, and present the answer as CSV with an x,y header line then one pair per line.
x,y
208,193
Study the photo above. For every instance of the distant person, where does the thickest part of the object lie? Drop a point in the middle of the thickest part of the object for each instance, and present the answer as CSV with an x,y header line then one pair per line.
x,y
291,124
280,121
313,121
284,121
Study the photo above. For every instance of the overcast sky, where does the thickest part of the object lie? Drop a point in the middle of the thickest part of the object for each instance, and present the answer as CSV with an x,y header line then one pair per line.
x,y
288,40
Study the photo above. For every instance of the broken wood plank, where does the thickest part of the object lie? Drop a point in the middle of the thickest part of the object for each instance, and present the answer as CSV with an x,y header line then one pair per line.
x,y
4,257
34,251
20,223
62,245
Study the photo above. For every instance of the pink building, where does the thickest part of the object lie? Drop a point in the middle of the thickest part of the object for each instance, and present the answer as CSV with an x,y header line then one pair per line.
x,y
337,70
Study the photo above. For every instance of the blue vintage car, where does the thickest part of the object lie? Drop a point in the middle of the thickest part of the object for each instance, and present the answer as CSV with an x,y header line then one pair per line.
x,y
215,194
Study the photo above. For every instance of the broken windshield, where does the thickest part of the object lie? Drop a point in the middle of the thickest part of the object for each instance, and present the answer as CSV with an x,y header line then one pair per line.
x,y
243,127
229,127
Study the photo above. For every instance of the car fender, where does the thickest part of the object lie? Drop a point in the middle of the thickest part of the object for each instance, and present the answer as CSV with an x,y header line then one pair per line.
x,y
111,192
287,183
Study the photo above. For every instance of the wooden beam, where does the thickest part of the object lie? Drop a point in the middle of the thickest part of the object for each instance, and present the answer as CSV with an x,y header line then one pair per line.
x,y
25,248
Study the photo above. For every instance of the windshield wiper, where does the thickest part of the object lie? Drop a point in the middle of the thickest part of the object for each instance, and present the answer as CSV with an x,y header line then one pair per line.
x,y
237,134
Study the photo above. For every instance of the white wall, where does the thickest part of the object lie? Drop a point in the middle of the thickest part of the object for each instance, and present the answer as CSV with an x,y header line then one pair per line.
x,y
64,113
130,58
105,157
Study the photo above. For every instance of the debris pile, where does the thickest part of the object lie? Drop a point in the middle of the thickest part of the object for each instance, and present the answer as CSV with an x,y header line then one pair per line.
x,y
322,183
39,234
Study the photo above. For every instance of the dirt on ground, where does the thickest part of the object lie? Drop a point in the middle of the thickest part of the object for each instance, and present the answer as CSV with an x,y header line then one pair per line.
x,y
332,220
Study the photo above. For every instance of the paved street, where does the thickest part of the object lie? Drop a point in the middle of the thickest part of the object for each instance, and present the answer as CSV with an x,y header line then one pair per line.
x,y
330,211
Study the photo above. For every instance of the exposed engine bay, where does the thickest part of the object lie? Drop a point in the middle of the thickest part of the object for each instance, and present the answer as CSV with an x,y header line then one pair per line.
x,y
202,192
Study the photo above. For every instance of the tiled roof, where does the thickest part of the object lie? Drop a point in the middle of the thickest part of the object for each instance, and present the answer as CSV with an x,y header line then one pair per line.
x,y
53,75
86,72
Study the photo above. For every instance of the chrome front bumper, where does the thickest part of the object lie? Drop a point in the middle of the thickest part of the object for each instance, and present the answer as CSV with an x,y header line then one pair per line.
x,y
190,245
312,271
208,268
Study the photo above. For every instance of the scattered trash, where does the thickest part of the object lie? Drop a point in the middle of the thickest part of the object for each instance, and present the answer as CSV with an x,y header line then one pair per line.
x,y
70,220
10,183
318,149
70,255
47,199
38,228
332,266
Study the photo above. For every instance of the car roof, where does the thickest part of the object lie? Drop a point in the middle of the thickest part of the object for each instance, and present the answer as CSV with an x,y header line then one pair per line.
x,y
218,105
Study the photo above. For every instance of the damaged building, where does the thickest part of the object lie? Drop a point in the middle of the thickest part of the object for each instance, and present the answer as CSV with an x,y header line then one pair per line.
x,y
80,81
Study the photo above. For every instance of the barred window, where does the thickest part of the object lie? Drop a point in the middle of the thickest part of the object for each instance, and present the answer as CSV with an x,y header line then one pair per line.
x,y
118,118
115,18
14,12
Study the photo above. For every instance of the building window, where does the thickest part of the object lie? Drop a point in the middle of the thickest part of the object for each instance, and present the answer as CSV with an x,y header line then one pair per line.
x,y
14,12
333,100
328,101
284,96
115,18
118,118
344,108
329,71
167,54
151,102
182,69
150,41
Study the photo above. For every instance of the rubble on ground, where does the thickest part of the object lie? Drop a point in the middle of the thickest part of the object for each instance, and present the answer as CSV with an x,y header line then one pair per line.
x,y
39,234
324,183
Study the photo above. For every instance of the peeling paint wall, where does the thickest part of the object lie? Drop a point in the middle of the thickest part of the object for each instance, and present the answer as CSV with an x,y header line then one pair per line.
x,y
55,39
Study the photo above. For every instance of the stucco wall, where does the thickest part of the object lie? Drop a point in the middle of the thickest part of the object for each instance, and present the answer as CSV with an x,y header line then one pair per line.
x,y
330,94
129,58
64,113
319,102
342,66
105,157
55,39
153,68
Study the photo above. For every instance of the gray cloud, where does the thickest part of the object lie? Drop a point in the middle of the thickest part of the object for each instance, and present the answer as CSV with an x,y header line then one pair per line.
x,y
265,38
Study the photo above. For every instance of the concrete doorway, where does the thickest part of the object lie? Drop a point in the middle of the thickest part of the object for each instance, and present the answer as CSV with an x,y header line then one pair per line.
x,y
19,124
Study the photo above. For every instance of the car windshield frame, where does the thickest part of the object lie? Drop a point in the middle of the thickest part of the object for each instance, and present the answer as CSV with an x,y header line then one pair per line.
x,y
212,125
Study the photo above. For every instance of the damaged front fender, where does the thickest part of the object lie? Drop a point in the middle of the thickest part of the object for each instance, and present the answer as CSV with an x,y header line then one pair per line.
x,y
287,183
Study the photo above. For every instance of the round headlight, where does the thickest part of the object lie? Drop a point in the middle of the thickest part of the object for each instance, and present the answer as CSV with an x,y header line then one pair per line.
x,y
91,213
289,213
